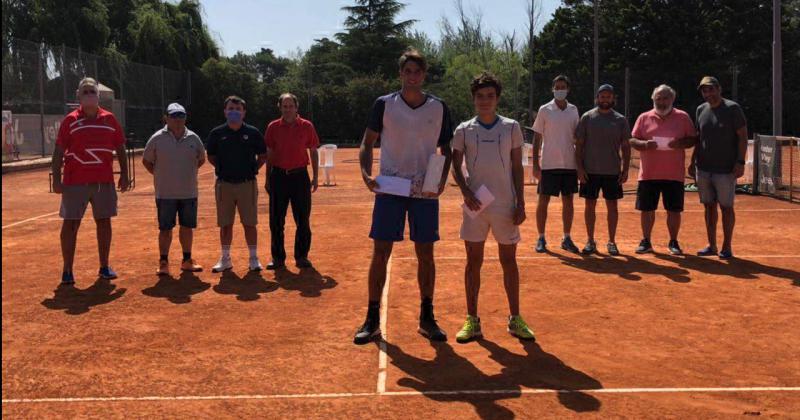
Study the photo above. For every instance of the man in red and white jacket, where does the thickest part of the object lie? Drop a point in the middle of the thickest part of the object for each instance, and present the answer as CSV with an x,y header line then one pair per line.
x,y
87,140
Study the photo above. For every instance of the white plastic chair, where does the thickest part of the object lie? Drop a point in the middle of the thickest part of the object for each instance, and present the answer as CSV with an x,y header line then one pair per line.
x,y
328,151
527,160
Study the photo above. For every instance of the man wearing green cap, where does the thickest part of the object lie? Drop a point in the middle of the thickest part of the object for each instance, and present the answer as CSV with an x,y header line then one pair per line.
x,y
718,161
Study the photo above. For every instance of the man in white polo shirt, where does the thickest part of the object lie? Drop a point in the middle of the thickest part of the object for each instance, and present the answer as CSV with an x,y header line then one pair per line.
x,y
492,146
173,155
554,130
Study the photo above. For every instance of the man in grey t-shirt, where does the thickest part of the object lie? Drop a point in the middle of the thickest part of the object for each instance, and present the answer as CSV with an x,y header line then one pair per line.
x,y
601,135
173,155
718,161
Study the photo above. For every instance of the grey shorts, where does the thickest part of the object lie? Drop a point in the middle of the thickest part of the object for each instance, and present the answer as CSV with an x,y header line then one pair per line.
x,y
75,199
716,188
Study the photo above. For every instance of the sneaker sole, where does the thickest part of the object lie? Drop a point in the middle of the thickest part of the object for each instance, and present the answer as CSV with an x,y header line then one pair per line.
x,y
519,337
376,335
475,337
427,335
219,270
646,251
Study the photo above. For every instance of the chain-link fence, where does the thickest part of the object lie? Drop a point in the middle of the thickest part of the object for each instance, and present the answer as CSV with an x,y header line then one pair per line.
x,y
39,84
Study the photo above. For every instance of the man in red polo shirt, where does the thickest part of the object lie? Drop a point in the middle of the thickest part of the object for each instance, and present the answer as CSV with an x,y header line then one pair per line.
x,y
287,140
87,140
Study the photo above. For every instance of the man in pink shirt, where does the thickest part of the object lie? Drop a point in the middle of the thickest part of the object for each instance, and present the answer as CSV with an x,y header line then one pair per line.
x,y
661,136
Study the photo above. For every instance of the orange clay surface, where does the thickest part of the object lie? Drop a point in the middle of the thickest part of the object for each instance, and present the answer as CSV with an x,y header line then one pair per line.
x,y
632,336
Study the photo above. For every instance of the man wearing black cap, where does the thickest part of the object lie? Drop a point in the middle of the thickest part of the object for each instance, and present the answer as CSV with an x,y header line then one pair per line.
x,y
718,161
601,135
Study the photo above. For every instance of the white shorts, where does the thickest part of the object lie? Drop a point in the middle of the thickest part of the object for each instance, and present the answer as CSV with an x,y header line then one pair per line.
x,y
504,230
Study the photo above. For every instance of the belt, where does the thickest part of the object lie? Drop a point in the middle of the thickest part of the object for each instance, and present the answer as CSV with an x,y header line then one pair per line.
x,y
301,169
236,180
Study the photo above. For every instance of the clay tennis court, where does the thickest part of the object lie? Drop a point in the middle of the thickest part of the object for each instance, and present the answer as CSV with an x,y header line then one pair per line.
x,y
631,336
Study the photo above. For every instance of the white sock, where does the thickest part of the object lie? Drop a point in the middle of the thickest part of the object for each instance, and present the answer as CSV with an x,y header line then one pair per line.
x,y
253,251
226,251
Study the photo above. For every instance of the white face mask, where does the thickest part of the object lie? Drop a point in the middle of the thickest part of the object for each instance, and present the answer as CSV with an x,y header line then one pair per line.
x,y
560,94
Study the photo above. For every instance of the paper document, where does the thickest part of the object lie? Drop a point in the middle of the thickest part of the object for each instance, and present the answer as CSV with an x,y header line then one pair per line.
x,y
663,142
393,185
484,196
433,175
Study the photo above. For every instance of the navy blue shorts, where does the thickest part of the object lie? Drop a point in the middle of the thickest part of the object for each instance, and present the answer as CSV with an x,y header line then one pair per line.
x,y
389,218
186,210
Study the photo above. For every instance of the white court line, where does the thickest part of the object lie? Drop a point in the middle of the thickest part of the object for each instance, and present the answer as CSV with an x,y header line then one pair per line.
x,y
55,212
466,392
382,357
620,258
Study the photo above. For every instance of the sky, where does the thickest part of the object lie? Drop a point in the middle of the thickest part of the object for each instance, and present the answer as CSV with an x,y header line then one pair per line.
x,y
288,25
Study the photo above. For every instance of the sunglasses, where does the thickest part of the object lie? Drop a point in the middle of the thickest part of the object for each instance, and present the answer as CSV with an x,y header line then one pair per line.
x,y
178,115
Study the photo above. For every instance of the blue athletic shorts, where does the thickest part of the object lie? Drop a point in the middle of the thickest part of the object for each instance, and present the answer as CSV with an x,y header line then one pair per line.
x,y
185,209
389,218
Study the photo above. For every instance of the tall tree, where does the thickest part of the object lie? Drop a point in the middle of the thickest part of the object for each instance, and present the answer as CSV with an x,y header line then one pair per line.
x,y
373,39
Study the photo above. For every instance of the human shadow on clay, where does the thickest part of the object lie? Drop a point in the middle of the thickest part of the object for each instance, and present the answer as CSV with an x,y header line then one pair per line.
x,y
734,267
75,301
309,282
247,289
178,291
626,266
536,369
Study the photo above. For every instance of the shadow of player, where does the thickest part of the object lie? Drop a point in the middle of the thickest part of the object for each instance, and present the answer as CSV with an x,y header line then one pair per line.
x,y
247,288
178,290
309,282
435,378
734,267
626,266
74,301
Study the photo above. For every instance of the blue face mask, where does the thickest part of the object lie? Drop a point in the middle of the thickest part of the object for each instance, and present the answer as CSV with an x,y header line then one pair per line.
x,y
233,116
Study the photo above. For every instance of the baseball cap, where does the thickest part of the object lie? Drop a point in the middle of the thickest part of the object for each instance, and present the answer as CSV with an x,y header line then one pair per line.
x,y
175,108
605,87
708,81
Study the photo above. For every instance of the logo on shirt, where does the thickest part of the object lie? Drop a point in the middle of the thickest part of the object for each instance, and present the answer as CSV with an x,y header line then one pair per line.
x,y
245,136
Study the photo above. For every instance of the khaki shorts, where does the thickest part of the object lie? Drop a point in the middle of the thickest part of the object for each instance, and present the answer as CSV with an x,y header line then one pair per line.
x,y
243,196
75,199
503,229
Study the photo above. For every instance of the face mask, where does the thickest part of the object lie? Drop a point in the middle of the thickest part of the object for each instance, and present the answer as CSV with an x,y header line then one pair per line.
x,y
560,94
90,100
233,116
664,112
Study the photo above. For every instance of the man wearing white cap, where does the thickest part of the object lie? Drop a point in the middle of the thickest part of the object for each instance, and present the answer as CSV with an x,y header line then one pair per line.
x,y
173,155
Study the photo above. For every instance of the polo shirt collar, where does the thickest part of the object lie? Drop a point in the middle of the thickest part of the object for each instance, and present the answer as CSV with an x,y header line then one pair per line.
x,y
294,123
165,130
554,106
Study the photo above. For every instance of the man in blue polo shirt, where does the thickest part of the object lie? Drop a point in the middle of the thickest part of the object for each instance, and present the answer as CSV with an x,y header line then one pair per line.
x,y
411,125
237,151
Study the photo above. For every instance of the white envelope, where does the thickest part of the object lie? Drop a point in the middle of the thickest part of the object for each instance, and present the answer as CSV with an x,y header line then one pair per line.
x,y
663,142
484,196
433,175
393,185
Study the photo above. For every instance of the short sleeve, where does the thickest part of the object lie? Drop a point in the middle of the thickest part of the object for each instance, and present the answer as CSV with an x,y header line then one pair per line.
x,y
119,135
212,143
516,136
637,128
269,136
580,130
739,119
375,119
313,138
201,151
538,123
446,132
260,147
459,138
626,130
149,153
64,137
689,129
